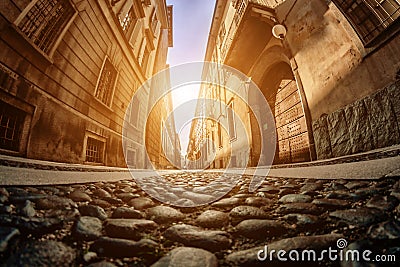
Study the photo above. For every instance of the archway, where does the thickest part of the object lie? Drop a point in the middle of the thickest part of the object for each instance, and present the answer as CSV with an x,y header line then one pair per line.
x,y
283,95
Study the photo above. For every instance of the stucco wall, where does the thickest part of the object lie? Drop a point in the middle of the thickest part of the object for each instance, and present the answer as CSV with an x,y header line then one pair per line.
x,y
347,85
335,68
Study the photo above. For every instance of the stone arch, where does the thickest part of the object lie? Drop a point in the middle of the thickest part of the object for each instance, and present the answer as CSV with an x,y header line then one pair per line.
x,y
273,74
270,56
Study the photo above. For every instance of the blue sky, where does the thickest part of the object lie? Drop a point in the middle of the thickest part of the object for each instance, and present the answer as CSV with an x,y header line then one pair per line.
x,y
191,26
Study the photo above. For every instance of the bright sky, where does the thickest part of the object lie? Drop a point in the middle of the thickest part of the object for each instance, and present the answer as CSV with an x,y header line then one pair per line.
x,y
191,26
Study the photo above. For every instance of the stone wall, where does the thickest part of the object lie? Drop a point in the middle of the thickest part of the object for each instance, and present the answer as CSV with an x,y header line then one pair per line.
x,y
369,123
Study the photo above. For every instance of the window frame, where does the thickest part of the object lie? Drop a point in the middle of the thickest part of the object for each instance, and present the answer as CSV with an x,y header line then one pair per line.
x,y
384,33
18,118
135,125
112,92
97,138
60,33
129,19
134,151
230,109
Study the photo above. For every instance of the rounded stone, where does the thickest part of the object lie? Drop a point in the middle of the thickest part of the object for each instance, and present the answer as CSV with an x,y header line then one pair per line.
x,y
192,236
123,248
102,264
101,193
260,229
79,196
385,203
385,230
93,211
360,216
127,213
258,201
125,197
187,256
43,253
54,202
295,198
213,219
303,208
141,203
311,187
88,228
227,203
330,203
241,213
164,214
28,209
301,220
101,203
128,228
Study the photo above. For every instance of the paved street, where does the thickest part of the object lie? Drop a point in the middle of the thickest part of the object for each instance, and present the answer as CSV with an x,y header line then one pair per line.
x,y
115,223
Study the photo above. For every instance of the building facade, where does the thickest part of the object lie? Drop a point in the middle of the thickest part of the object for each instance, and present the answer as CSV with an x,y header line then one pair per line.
x,y
68,72
332,81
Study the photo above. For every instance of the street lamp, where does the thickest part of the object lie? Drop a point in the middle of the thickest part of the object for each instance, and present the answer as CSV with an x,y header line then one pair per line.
x,y
279,31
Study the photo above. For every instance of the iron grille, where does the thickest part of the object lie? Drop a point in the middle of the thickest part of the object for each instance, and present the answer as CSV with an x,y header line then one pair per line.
x,y
94,150
11,122
106,83
370,17
45,21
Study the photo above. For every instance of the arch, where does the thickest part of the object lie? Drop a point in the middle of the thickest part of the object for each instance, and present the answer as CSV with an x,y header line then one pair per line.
x,y
279,86
270,56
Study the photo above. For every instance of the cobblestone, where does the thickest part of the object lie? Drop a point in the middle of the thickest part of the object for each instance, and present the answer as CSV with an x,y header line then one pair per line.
x,y
118,224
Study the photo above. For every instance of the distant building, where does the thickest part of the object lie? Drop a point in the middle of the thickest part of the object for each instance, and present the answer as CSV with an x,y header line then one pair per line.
x,y
162,141
68,71
332,83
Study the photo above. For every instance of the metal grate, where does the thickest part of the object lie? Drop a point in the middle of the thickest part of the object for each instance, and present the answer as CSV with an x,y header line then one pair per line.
x,y
106,83
370,17
94,150
11,121
45,21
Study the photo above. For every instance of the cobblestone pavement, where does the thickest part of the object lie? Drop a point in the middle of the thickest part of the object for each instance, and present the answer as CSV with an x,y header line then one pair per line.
x,y
117,224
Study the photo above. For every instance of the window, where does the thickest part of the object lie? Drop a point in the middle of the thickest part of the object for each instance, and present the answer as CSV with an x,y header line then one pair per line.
x,y
170,34
11,122
222,33
240,8
44,21
134,112
143,54
106,83
219,135
94,150
370,17
131,158
145,59
231,121
126,16
154,22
